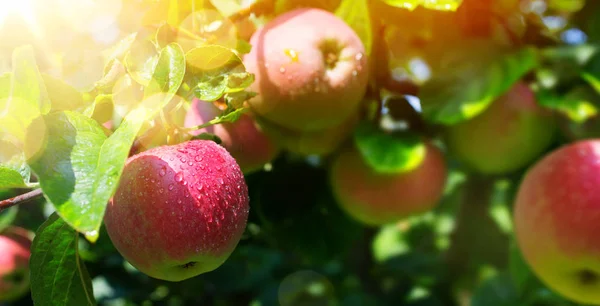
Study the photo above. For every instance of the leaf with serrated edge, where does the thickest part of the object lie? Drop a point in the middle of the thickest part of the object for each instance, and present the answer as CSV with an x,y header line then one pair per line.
x,y
58,275
81,170
168,73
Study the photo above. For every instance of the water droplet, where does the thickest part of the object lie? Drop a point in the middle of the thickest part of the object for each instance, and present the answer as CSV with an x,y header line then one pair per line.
x,y
183,160
182,150
190,163
162,171
358,56
292,54
185,183
282,69
198,158
171,159
200,186
179,201
220,180
171,187
179,177
199,196
354,73
161,190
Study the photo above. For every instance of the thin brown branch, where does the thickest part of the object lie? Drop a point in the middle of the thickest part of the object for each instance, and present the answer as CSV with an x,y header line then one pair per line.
x,y
26,197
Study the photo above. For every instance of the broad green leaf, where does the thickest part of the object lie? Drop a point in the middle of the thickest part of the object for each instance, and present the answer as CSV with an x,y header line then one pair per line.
x,y
10,178
591,72
497,291
569,6
7,217
579,104
442,5
63,96
58,275
169,72
356,14
80,171
28,97
141,61
387,153
14,171
477,75
215,71
102,108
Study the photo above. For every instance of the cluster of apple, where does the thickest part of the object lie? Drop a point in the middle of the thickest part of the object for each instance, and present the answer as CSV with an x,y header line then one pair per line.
x,y
311,75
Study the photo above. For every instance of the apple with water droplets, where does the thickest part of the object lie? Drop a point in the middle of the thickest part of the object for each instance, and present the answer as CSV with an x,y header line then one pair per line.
x,y
244,139
179,210
557,220
15,250
310,70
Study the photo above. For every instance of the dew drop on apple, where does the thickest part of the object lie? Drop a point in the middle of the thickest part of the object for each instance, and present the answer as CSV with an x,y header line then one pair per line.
x,y
199,186
179,177
358,56
282,69
198,158
171,187
162,171
183,160
190,163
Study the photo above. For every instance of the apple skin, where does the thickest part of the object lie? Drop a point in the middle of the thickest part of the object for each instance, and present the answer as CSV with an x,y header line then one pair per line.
x,y
511,133
557,220
179,210
15,250
310,70
321,142
244,139
376,199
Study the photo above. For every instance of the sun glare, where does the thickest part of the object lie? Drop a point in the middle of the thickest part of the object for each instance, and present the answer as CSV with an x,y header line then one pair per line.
x,y
22,8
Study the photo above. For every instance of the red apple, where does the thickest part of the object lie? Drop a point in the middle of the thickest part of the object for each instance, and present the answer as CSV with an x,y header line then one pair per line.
x,y
179,210
376,199
557,220
510,134
250,147
310,70
15,250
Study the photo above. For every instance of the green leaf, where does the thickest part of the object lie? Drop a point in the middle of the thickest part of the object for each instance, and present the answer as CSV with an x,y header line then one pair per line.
x,y
28,97
216,70
81,170
477,75
141,61
356,14
591,72
578,105
14,171
519,270
498,291
169,72
441,5
569,6
10,178
7,217
387,153
58,275
63,96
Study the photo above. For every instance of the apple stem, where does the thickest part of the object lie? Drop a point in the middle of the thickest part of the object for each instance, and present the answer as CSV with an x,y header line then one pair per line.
x,y
22,198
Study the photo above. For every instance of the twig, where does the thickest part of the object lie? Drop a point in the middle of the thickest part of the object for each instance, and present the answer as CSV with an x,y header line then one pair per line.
x,y
26,197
